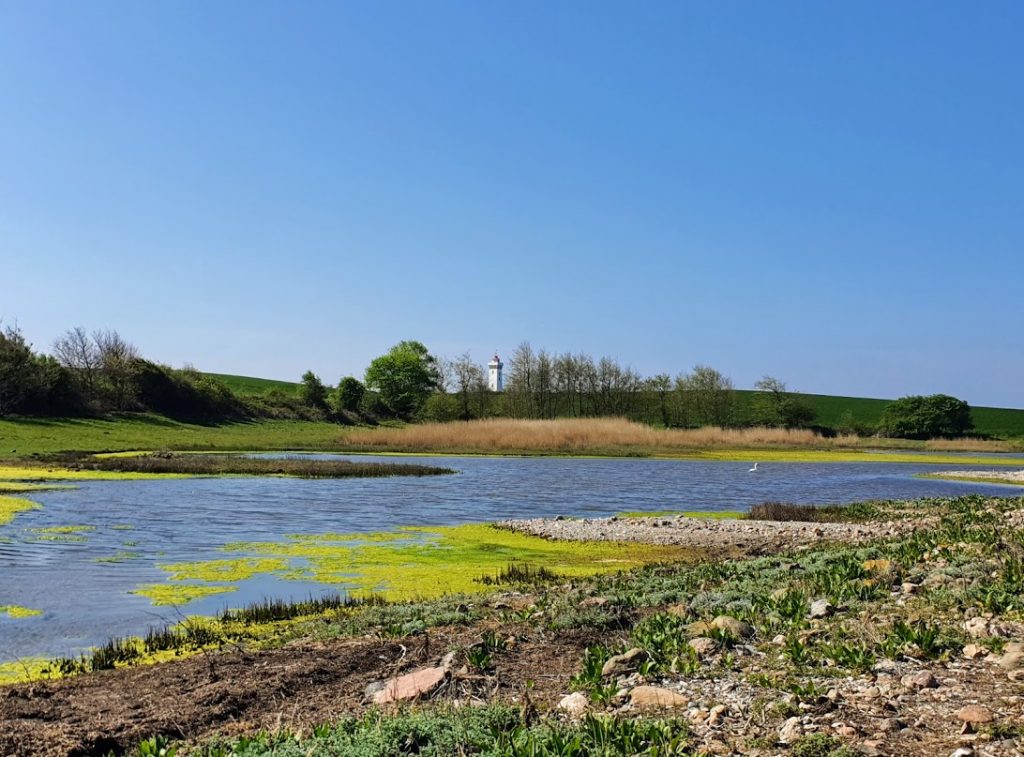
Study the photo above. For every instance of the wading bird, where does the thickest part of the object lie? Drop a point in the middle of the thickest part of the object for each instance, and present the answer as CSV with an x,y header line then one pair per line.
x,y
754,469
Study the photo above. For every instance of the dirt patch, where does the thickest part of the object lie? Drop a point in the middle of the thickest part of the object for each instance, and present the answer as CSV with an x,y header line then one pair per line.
x,y
239,692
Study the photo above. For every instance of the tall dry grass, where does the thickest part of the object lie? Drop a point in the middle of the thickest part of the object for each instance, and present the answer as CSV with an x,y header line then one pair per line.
x,y
577,435
970,445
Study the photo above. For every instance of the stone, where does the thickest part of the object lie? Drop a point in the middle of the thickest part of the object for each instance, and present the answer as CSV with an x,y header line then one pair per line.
x,y
791,730
418,683
871,692
974,651
703,646
1014,646
1011,661
716,713
975,714
594,602
908,588
821,608
622,663
656,698
977,628
964,751
448,662
575,704
679,609
737,628
920,680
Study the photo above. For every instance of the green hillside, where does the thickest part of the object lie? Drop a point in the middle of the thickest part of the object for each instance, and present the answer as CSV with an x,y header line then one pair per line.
x,y
833,411
248,385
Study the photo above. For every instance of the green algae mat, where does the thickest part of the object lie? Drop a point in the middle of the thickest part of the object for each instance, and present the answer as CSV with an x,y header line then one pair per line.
x,y
420,562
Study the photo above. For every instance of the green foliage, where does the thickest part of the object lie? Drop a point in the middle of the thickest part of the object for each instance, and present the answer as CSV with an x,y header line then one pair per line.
x,y
312,391
404,377
916,417
820,745
349,395
775,406
665,639
491,731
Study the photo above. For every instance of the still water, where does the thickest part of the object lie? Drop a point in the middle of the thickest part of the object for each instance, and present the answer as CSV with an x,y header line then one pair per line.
x,y
86,601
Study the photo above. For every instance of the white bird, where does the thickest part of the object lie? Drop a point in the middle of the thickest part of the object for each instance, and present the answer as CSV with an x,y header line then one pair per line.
x,y
752,470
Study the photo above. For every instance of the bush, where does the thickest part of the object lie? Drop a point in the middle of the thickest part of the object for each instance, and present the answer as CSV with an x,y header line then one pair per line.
x,y
917,417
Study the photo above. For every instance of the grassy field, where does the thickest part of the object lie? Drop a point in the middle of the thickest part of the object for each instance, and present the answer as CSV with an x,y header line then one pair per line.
x,y
22,437
249,385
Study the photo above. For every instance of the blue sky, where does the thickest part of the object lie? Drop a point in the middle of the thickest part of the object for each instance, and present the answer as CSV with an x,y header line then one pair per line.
x,y
829,193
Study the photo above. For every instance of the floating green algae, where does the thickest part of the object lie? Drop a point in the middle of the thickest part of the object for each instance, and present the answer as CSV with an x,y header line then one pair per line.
x,y
16,611
62,529
11,506
40,473
839,456
122,527
118,557
12,487
179,593
422,562
238,569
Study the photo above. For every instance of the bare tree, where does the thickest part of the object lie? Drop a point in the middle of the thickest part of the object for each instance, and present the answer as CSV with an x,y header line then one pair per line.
x,y
709,394
117,358
468,382
77,352
519,386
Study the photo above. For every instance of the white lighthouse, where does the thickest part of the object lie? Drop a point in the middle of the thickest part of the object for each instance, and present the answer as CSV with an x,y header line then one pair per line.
x,y
494,367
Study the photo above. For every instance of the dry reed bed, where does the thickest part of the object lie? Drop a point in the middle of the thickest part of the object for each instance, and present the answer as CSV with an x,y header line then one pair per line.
x,y
578,435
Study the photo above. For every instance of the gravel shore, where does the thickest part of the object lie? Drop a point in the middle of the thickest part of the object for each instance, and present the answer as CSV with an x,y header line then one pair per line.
x,y
750,536
1010,476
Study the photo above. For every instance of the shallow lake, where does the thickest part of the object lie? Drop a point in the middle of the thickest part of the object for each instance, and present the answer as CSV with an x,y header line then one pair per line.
x,y
142,524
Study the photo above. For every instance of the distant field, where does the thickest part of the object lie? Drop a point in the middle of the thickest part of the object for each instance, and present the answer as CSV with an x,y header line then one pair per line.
x,y
251,385
997,422
22,437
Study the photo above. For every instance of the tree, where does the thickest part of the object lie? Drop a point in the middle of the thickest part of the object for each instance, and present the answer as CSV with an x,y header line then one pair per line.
x,y
661,387
312,391
708,394
917,417
404,377
118,365
776,406
468,383
17,370
78,353
349,394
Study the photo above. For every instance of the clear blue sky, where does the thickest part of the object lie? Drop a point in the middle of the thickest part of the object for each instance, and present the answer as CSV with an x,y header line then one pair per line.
x,y
830,193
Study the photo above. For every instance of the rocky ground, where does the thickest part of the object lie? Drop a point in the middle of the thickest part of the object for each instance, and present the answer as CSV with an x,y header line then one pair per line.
x,y
903,635
1009,476
747,536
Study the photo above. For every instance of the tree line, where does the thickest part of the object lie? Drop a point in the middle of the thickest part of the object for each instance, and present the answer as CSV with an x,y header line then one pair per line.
x,y
92,373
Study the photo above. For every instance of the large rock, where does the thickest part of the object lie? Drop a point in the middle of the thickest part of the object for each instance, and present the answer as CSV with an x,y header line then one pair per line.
x,y
418,683
622,663
975,714
1011,661
737,628
575,705
704,646
977,628
821,608
656,698
791,730
920,680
